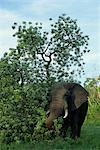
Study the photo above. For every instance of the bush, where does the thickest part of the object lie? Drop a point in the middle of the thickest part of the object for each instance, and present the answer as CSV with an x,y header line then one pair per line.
x,y
93,87
20,116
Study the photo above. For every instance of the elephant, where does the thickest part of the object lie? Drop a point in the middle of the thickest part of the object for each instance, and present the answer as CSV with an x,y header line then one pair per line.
x,y
69,100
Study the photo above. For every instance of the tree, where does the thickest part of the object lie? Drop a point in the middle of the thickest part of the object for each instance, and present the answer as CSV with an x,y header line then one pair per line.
x,y
41,56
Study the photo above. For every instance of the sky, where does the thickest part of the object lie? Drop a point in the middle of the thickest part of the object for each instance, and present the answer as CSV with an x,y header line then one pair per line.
x,y
87,12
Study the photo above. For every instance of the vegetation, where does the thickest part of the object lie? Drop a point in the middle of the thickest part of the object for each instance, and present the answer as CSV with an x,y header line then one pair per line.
x,y
89,141
93,87
27,71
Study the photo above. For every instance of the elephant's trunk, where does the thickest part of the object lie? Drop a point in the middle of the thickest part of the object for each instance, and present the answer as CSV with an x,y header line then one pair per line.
x,y
49,121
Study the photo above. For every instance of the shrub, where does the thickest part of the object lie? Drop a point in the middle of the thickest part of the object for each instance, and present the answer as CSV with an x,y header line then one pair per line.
x,y
93,87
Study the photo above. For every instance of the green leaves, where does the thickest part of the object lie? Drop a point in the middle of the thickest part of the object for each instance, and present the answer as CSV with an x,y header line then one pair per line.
x,y
66,38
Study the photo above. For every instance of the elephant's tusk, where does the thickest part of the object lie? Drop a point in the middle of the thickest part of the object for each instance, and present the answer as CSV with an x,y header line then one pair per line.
x,y
47,112
66,113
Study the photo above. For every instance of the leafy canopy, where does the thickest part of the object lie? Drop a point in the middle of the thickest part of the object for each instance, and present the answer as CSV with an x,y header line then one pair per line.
x,y
48,56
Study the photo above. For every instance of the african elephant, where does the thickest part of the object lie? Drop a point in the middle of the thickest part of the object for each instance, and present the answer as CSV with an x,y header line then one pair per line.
x,y
69,100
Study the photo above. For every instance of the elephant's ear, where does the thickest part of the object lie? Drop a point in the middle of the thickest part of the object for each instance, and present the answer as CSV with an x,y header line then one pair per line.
x,y
80,95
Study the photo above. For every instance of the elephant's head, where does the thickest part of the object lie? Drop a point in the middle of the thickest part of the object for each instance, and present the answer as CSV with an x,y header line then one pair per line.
x,y
65,98
57,105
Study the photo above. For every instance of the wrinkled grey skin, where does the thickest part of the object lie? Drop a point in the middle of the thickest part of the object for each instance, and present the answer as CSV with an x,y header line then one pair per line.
x,y
69,100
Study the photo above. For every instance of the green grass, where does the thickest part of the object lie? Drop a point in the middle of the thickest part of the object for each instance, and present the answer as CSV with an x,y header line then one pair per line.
x,y
90,140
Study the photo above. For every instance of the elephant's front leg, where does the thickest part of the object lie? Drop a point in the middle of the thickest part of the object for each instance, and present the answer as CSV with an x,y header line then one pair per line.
x,y
74,126
64,127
